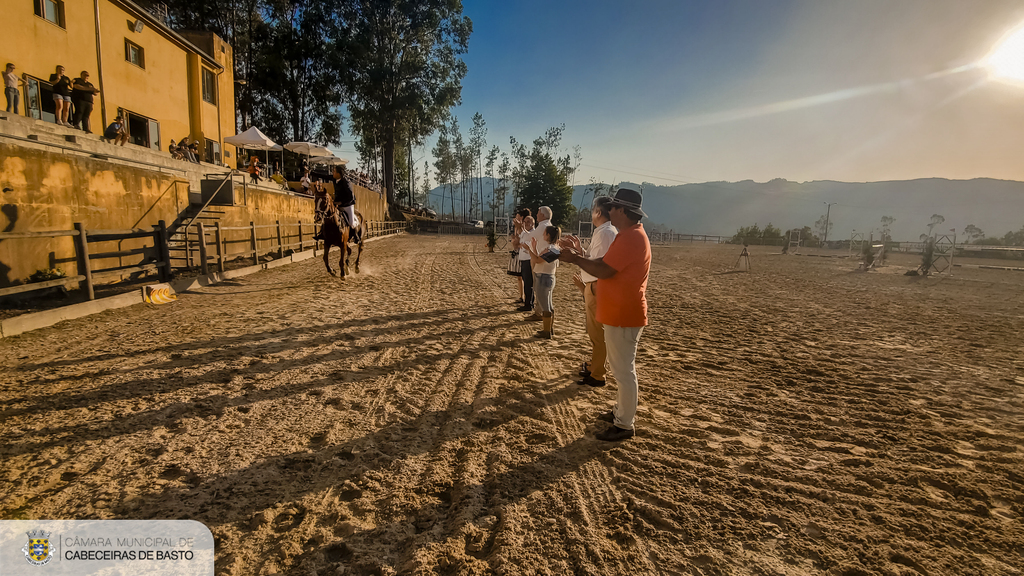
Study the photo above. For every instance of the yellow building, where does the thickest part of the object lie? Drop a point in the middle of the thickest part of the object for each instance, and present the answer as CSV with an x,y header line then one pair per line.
x,y
168,85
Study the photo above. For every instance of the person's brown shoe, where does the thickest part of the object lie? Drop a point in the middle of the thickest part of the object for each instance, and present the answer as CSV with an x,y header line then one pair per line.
x,y
615,434
589,380
608,417
543,334
534,318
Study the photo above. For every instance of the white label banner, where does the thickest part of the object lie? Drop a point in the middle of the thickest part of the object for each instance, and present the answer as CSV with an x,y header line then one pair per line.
x,y
105,548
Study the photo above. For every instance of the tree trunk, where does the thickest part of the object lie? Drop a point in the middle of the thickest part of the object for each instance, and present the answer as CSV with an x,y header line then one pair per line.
x,y
389,163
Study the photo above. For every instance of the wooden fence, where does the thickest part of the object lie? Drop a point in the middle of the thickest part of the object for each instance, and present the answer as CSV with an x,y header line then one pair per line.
x,y
282,237
212,247
673,238
86,275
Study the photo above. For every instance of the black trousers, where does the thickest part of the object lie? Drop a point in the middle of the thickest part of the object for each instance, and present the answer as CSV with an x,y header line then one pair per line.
x,y
83,112
527,283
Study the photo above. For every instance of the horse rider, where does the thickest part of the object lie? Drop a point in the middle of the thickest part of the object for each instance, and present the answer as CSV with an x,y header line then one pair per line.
x,y
345,199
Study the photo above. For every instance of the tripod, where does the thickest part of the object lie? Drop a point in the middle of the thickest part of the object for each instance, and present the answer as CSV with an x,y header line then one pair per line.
x,y
745,259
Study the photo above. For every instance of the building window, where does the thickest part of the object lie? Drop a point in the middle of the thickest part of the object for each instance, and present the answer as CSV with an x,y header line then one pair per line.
x,y
209,86
142,131
52,10
212,151
134,53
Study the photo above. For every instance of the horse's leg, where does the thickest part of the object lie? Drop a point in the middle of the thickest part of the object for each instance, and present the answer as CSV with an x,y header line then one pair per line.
x,y
343,261
359,254
327,262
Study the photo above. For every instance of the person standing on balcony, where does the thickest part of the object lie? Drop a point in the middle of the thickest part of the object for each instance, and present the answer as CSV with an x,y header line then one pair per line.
x,y
12,88
82,97
61,96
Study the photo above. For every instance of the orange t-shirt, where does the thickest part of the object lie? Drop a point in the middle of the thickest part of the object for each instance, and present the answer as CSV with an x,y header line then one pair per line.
x,y
621,299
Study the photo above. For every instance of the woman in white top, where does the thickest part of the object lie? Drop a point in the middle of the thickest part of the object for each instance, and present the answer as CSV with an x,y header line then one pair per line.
x,y
524,262
544,267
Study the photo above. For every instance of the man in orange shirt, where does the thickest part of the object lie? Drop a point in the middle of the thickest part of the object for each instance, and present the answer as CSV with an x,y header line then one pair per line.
x,y
621,303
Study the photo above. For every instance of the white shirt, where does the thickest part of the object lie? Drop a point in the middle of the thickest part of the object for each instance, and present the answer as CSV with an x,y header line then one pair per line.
x,y
10,80
538,233
600,242
524,241
544,267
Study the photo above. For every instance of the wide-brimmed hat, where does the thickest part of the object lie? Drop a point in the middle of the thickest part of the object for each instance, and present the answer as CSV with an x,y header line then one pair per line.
x,y
629,199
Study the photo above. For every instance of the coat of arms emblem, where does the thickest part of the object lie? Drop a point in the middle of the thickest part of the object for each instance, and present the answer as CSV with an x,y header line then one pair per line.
x,y
38,550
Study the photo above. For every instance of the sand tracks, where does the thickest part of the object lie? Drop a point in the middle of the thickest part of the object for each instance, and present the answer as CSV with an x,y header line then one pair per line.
x,y
796,420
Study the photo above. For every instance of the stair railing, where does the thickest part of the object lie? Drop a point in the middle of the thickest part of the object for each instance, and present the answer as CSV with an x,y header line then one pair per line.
x,y
188,247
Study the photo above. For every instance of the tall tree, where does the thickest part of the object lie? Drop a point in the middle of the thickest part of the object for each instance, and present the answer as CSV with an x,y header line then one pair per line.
x,y
545,185
477,141
404,70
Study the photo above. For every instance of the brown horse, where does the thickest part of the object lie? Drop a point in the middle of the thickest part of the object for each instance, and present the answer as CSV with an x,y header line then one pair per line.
x,y
334,233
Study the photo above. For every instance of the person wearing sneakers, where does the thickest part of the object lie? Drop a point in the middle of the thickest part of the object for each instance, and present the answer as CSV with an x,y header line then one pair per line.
x,y
621,288
592,373
544,261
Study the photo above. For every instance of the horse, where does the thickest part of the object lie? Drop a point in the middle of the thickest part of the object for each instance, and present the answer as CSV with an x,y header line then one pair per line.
x,y
334,233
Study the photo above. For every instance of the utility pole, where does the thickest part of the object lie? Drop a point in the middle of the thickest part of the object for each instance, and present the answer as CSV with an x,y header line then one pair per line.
x,y
828,210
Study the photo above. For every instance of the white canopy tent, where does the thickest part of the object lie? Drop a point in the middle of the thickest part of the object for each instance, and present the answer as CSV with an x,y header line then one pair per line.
x,y
253,139
328,160
308,149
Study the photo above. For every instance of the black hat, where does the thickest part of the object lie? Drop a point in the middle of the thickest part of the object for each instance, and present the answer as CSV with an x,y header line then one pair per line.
x,y
629,199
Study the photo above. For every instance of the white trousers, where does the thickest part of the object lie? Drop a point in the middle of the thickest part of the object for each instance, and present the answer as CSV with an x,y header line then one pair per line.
x,y
621,344
350,216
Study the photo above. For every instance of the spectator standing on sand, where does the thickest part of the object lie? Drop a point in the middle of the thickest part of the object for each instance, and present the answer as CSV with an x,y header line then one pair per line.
x,y
544,220
12,88
61,96
82,93
115,132
621,303
604,234
524,262
515,268
544,270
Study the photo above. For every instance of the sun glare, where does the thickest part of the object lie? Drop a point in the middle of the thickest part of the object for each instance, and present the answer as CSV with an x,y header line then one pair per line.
x,y
1007,60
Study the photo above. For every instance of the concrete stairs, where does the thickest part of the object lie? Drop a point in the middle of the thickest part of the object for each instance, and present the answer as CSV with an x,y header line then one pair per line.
x,y
183,243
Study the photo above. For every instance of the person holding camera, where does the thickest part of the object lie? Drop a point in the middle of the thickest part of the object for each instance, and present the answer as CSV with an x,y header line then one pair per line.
x,y
621,290
544,261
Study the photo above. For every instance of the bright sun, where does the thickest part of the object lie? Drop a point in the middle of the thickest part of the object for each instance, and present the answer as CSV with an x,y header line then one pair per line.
x,y
1007,60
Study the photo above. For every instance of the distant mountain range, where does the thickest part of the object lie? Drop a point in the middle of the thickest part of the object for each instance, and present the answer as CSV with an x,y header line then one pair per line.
x,y
719,208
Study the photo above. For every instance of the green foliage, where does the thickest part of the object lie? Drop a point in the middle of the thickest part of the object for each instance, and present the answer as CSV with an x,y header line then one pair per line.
x,y
545,185
887,222
927,256
404,71
973,234
1014,238
47,274
492,238
756,234
990,241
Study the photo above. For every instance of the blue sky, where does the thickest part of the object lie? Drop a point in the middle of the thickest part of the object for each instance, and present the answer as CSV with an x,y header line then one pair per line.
x,y
687,91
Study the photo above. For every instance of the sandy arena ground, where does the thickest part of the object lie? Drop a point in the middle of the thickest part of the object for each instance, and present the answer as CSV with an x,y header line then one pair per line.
x,y
799,419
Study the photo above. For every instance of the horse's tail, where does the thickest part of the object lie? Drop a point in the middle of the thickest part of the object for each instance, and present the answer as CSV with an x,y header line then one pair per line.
x,y
362,228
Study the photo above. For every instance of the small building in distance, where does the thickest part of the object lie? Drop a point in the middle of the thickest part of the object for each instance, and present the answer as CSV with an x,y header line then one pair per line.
x,y
167,84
